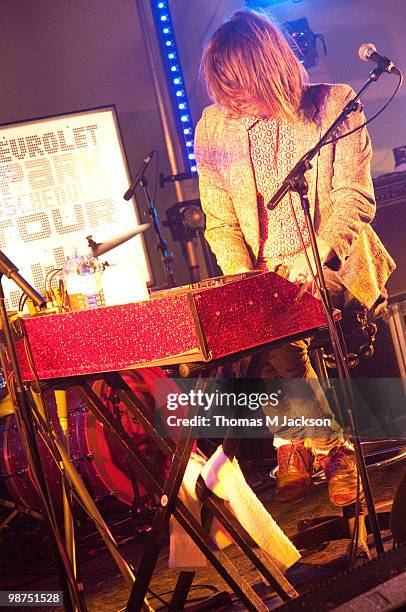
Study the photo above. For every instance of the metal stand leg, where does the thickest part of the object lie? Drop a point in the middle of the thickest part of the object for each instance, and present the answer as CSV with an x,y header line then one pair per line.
x,y
161,522
171,504
72,597
72,477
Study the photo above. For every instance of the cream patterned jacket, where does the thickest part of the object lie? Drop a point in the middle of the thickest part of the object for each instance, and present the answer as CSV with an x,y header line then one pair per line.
x,y
340,190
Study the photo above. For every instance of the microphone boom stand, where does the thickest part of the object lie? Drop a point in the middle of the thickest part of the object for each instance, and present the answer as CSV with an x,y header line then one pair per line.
x,y
296,181
162,245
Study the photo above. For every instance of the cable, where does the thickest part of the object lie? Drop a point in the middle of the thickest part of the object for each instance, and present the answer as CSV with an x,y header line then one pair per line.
x,y
368,121
156,174
48,280
354,541
201,599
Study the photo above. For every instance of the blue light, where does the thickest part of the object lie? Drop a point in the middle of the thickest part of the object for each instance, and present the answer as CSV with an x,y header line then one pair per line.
x,y
174,76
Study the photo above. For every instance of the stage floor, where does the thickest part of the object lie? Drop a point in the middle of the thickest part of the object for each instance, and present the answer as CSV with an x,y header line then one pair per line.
x,y
25,562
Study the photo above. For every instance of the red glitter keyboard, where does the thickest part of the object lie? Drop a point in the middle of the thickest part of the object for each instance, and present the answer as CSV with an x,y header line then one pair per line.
x,y
177,326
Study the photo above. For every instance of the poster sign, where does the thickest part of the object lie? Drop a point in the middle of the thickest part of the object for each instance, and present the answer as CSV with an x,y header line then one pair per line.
x,y
62,179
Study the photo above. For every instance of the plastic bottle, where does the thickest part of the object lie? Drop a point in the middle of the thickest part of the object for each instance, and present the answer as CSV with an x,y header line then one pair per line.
x,y
72,282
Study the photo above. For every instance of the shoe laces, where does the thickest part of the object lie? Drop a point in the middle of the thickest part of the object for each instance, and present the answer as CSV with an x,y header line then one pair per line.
x,y
341,459
285,460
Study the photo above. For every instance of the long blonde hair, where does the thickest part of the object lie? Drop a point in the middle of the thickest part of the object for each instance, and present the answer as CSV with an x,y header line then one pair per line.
x,y
249,63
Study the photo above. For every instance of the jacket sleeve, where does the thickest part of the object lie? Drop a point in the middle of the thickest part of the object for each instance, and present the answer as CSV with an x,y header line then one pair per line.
x,y
223,232
352,203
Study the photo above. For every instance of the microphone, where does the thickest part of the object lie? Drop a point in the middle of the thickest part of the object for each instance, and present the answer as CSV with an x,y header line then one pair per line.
x,y
368,51
8,268
130,191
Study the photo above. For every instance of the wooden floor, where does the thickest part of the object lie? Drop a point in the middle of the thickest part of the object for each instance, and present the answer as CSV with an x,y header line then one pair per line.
x,y
25,561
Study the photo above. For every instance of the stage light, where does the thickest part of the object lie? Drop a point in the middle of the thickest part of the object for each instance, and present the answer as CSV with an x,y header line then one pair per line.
x,y
170,58
256,4
303,41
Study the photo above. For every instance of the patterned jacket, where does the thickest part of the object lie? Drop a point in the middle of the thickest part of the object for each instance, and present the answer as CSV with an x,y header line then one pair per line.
x,y
340,190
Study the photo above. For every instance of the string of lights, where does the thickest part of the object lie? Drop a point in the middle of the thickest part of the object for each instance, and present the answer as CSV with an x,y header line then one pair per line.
x,y
175,78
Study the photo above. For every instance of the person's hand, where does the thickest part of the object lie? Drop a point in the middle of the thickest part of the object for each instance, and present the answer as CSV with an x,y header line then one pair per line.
x,y
300,272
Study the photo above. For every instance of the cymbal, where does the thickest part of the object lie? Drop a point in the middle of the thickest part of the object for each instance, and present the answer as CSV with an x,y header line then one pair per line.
x,y
99,248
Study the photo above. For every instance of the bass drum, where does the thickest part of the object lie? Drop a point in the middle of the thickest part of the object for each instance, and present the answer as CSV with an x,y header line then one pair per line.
x,y
94,450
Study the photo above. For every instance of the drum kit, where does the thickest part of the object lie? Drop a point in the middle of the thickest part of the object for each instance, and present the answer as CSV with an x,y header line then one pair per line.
x,y
100,462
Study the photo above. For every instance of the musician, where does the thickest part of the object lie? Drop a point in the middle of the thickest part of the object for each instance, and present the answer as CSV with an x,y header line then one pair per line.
x,y
263,119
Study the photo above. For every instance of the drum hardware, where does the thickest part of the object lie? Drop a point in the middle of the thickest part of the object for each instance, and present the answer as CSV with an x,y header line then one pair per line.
x,y
74,482
18,474
73,599
77,460
16,509
85,430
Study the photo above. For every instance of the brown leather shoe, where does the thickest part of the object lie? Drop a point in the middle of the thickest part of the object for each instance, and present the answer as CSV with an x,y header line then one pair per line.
x,y
295,466
341,474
